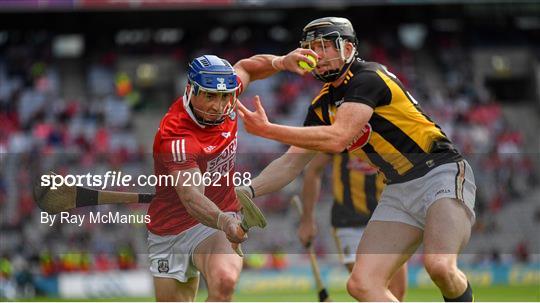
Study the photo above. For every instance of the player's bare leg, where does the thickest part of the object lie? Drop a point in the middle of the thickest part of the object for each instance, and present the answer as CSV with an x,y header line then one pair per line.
x,y
219,265
447,231
169,289
384,248
398,284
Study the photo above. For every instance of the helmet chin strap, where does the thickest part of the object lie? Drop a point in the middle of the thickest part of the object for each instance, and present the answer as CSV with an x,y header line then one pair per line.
x,y
351,56
347,60
188,107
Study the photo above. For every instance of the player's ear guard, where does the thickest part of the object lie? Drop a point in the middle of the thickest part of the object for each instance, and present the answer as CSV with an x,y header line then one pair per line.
x,y
252,216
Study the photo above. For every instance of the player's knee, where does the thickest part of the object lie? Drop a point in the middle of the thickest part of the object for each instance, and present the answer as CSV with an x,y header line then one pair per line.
x,y
440,269
222,286
358,286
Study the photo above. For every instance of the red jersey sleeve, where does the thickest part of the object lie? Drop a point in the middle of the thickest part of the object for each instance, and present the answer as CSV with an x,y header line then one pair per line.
x,y
180,153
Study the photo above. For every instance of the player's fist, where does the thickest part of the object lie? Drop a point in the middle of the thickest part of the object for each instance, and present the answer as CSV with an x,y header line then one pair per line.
x,y
235,234
307,231
290,61
231,227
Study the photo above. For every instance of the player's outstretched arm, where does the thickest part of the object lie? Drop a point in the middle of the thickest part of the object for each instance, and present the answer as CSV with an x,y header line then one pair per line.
x,y
349,121
281,171
311,190
263,66
203,209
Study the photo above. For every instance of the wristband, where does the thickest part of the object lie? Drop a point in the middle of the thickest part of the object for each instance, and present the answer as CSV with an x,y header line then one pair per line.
x,y
252,191
274,64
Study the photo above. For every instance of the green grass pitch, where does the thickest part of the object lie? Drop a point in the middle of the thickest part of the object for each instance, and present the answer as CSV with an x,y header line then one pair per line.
x,y
494,293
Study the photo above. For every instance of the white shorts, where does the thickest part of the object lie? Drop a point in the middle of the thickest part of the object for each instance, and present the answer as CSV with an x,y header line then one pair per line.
x,y
409,201
171,256
347,240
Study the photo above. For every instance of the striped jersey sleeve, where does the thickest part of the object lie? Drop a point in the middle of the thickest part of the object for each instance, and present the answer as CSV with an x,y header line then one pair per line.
x,y
180,153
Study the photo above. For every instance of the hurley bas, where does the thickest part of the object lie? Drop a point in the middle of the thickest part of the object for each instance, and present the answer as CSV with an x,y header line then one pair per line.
x,y
93,217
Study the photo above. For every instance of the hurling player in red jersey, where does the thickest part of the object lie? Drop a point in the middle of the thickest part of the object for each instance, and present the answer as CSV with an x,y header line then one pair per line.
x,y
196,145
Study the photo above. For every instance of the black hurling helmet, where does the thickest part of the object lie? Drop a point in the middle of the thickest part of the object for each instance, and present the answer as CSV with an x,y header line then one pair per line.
x,y
335,29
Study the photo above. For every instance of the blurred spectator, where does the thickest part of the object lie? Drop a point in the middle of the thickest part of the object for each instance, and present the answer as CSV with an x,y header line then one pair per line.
x,y
126,258
522,252
7,284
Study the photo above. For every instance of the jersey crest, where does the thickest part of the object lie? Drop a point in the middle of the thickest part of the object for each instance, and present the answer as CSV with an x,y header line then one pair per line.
x,y
362,138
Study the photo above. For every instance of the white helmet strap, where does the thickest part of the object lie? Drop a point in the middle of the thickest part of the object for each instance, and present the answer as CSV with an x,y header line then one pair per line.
x,y
341,45
187,107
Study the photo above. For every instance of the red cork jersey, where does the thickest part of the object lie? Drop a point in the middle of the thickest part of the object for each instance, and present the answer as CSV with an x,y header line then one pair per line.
x,y
180,143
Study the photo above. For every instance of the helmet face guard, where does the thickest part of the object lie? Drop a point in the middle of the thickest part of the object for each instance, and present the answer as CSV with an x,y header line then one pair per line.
x,y
337,30
211,77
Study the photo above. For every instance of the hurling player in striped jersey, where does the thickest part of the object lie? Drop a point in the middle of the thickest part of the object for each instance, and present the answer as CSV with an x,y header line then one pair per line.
x,y
364,109
193,223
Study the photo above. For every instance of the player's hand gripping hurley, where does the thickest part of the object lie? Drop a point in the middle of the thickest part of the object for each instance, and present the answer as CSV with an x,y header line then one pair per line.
x,y
251,216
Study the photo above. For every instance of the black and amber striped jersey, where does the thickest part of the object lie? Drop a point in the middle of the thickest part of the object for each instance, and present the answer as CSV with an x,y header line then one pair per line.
x,y
357,188
399,139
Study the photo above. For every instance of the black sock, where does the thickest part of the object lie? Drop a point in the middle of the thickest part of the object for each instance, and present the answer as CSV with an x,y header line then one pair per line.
x,y
467,296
